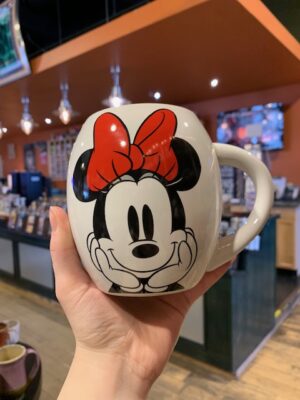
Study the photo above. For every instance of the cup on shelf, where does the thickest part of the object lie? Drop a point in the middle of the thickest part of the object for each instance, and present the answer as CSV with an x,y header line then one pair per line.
x,y
13,331
9,332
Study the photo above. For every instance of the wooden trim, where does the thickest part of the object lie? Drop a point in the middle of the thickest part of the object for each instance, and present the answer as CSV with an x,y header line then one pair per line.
x,y
272,24
288,266
147,15
131,22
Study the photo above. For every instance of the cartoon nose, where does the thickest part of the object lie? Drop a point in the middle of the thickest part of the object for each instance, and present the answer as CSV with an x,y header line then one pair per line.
x,y
145,250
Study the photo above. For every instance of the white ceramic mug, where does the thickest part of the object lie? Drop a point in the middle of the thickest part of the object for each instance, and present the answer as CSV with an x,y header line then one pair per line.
x,y
13,327
145,199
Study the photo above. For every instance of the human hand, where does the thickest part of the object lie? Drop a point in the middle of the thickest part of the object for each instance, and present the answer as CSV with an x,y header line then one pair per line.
x,y
122,343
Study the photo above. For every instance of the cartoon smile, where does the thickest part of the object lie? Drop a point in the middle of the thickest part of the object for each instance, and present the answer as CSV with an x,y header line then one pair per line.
x,y
153,269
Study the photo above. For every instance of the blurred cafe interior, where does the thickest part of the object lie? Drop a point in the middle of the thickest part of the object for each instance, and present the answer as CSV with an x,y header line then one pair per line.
x,y
236,65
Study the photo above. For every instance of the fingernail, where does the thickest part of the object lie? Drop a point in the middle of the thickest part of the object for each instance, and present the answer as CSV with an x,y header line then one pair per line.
x,y
53,219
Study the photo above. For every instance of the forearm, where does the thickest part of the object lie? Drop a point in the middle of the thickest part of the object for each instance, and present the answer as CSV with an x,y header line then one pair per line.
x,y
102,376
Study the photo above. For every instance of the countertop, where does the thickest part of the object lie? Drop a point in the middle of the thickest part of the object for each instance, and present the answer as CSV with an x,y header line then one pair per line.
x,y
24,237
286,204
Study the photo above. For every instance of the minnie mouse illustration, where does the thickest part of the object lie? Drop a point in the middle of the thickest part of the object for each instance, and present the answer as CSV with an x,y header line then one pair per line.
x,y
140,241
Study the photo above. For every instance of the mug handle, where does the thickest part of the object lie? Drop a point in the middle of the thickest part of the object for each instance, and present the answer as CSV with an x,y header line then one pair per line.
x,y
229,246
36,365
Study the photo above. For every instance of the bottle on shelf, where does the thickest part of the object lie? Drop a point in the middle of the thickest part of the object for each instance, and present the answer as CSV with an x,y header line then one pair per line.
x,y
42,217
47,231
31,219
13,214
22,214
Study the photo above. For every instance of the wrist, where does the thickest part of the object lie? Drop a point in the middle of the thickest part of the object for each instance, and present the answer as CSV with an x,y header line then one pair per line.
x,y
103,375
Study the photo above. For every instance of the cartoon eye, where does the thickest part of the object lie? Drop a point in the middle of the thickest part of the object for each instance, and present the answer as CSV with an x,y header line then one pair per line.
x,y
133,223
148,222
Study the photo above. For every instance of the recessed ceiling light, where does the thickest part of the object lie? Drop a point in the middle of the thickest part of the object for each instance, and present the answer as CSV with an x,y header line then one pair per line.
x,y
214,82
4,129
157,95
48,121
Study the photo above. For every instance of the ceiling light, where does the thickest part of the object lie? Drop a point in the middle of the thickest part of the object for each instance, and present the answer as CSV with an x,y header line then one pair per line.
x,y
65,111
157,95
48,121
115,98
27,122
3,130
214,82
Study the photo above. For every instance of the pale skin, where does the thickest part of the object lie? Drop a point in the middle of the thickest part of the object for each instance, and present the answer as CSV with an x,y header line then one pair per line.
x,y
122,344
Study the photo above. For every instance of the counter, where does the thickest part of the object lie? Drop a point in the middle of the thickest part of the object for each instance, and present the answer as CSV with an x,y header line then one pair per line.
x,y
287,233
277,203
25,261
227,325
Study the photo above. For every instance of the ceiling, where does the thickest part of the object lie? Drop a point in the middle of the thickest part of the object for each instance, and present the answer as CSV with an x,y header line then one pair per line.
x,y
178,54
48,23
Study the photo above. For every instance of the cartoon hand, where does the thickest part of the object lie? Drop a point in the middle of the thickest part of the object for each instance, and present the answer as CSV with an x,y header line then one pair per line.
x,y
127,281
191,242
187,252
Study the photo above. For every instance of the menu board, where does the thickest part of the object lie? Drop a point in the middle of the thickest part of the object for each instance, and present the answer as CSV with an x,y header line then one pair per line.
x,y
59,151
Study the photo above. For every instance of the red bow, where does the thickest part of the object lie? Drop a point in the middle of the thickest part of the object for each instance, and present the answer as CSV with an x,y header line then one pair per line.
x,y
113,154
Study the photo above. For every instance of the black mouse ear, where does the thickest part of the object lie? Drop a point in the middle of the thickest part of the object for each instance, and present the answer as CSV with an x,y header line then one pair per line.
x,y
189,166
81,190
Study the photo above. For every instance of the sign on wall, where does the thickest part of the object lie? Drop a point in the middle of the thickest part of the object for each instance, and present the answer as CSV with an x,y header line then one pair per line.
x,y
11,151
29,157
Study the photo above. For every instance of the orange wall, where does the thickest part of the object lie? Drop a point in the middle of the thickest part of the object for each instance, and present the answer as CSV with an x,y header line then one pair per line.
x,y
284,162
19,140
287,162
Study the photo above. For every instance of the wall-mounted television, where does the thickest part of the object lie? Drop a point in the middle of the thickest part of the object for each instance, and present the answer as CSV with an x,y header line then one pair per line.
x,y
262,124
13,58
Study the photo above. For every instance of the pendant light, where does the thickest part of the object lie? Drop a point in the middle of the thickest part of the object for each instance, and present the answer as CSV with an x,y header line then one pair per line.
x,y
3,130
27,122
65,110
116,98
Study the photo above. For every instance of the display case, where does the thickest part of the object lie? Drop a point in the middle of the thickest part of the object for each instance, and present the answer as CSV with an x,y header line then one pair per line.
x,y
228,324
26,262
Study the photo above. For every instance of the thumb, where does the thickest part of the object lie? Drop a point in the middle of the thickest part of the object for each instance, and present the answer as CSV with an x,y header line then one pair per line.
x,y
67,266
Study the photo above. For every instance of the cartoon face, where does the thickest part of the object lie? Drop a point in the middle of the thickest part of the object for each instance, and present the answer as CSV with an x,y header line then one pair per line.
x,y
140,226
140,241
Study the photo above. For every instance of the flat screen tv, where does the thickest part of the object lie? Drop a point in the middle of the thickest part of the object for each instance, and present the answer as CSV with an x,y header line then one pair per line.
x,y
258,124
13,59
